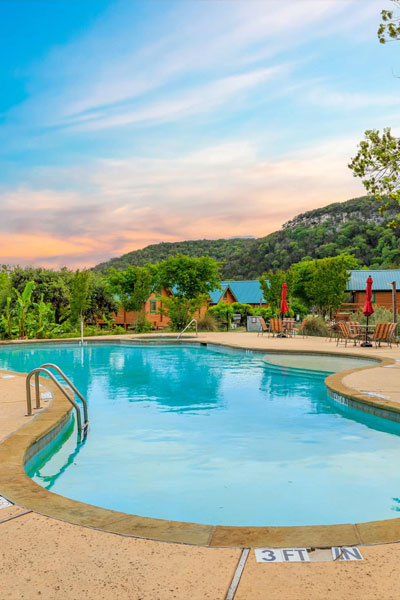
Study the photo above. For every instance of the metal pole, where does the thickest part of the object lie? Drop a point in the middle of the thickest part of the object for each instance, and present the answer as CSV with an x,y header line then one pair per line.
x,y
82,332
394,294
37,390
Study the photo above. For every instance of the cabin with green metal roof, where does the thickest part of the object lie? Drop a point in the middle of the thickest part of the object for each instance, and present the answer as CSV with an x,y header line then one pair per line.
x,y
383,286
246,292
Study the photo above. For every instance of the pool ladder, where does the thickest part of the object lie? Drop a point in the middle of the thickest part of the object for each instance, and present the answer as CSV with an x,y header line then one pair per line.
x,y
44,369
187,327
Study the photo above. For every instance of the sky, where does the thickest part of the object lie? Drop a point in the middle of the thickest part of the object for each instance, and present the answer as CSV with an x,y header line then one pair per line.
x,y
127,123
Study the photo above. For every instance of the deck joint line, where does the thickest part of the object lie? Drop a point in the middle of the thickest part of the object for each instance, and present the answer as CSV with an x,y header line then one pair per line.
x,y
21,514
237,575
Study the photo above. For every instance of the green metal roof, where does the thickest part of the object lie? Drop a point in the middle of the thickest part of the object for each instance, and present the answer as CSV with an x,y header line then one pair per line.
x,y
247,292
381,280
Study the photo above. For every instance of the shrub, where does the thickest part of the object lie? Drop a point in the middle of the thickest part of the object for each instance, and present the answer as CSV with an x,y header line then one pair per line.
x,y
222,312
315,326
265,312
142,324
118,330
381,315
244,310
207,323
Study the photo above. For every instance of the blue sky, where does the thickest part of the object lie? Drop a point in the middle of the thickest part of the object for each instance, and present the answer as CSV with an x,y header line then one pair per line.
x,y
133,122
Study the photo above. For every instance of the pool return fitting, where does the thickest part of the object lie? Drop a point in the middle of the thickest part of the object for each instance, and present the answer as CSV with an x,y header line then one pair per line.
x,y
44,369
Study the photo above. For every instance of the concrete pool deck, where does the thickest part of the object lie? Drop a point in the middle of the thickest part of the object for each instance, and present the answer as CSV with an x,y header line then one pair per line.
x,y
89,563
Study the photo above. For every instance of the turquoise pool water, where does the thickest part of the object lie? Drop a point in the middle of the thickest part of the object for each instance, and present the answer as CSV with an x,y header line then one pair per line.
x,y
214,436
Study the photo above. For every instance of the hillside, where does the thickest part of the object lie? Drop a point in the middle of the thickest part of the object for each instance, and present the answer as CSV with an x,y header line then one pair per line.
x,y
355,226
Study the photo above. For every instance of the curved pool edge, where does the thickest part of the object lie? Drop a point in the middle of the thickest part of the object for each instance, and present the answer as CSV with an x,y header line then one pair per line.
x,y
15,485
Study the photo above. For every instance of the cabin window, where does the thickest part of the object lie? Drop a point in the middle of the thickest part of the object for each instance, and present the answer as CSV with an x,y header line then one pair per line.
x,y
153,306
373,299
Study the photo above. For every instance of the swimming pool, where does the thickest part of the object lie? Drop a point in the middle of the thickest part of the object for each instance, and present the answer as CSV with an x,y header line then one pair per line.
x,y
212,435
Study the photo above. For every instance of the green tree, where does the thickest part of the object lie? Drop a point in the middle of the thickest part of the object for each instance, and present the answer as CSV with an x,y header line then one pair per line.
x,y
132,286
190,279
101,301
7,320
377,163
326,282
24,302
41,320
79,295
271,285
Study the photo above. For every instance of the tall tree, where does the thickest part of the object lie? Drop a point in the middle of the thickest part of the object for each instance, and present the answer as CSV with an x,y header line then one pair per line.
x,y
190,280
326,281
377,161
132,286
271,285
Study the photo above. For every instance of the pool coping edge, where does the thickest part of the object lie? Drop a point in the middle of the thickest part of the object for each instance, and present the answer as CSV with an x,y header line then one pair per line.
x,y
16,486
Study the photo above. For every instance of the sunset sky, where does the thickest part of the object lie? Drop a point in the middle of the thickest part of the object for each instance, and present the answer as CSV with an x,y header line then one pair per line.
x,y
129,123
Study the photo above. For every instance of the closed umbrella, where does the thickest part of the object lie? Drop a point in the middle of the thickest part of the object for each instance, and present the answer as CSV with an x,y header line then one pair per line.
x,y
368,310
284,307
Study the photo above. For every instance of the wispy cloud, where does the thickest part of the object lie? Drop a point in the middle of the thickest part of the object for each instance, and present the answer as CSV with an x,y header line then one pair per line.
x,y
166,121
226,190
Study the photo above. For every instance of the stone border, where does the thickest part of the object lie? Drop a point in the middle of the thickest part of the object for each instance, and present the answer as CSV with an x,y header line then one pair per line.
x,y
16,486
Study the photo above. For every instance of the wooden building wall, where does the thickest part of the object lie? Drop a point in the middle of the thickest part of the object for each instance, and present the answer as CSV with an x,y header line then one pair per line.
x,y
379,298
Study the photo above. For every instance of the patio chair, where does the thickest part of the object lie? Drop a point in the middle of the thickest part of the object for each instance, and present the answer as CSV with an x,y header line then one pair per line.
x,y
264,328
275,326
301,329
392,334
383,333
289,326
354,328
345,334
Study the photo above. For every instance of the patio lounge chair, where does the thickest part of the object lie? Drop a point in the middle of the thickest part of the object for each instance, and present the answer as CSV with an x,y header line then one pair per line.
x,y
264,328
345,334
275,326
384,332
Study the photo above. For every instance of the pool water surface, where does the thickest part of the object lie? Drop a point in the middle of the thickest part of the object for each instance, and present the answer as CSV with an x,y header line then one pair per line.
x,y
213,435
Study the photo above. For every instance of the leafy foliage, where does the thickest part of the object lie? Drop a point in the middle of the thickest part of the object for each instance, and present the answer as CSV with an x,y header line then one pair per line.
x,y
378,164
223,312
79,295
133,286
389,29
181,310
24,301
189,277
321,284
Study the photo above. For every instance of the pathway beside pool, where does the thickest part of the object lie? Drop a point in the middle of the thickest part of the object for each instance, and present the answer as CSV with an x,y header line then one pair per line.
x,y
47,558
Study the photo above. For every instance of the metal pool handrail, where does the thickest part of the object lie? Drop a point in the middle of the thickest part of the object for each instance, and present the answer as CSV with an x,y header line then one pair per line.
x,y
36,372
187,326
73,388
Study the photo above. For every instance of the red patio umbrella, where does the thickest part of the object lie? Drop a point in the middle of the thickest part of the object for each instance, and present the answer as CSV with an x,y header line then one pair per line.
x,y
368,310
284,306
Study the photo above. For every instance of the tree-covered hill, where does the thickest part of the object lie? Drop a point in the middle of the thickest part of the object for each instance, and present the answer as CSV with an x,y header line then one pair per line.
x,y
355,226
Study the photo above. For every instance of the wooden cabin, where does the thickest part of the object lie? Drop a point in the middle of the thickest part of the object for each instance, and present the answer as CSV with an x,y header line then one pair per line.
x,y
382,289
247,292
